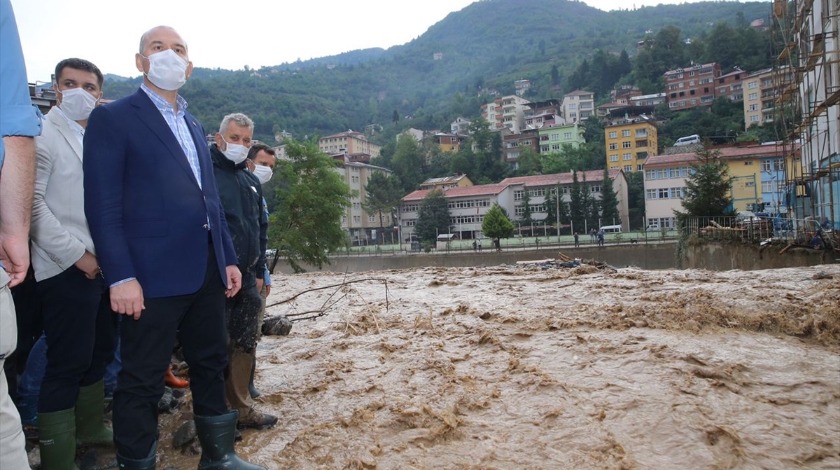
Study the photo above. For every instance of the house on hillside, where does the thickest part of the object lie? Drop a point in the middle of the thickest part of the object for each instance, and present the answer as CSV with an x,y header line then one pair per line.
x,y
578,106
629,142
351,142
691,86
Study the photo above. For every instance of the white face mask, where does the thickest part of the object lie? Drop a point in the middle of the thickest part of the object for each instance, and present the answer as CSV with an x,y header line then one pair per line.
x,y
234,152
76,103
263,173
167,70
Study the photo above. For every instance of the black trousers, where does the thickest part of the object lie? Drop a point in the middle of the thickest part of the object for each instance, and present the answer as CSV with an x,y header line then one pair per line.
x,y
198,322
79,328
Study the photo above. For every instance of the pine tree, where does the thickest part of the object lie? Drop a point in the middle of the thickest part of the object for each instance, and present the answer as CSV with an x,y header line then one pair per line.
x,y
609,201
707,189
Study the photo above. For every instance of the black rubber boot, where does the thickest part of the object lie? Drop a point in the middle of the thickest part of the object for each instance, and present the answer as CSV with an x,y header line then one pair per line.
x,y
216,434
147,463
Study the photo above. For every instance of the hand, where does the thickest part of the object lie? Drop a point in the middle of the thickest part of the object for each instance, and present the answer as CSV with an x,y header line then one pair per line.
x,y
234,281
127,299
267,289
14,253
260,283
88,264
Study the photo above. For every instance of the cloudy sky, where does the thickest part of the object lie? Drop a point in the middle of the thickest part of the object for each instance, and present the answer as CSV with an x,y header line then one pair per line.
x,y
229,34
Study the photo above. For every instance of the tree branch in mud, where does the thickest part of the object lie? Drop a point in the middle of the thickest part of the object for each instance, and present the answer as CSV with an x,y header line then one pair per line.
x,y
330,300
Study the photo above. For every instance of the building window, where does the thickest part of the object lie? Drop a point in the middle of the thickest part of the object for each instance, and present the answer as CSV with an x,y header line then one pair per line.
x,y
625,133
627,156
628,168
626,144
613,135
613,146
748,163
613,158
766,165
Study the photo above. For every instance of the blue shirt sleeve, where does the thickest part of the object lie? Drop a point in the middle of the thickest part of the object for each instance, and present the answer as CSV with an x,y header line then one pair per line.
x,y
19,116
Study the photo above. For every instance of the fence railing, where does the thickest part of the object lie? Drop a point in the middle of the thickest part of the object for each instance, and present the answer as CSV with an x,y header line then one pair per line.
x,y
805,232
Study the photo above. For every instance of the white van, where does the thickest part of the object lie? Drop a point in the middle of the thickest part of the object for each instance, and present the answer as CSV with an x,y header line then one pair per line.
x,y
687,140
611,228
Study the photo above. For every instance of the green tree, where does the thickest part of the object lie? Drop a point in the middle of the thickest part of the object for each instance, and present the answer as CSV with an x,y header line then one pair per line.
x,y
636,199
526,218
609,201
528,163
433,217
707,188
577,203
496,225
383,193
309,202
408,163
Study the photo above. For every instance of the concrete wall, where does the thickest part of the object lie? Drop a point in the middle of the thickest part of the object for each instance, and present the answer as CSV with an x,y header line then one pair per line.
x,y
722,256
711,256
652,256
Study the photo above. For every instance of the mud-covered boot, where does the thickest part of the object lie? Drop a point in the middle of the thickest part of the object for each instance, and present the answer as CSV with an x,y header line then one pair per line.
x,y
216,434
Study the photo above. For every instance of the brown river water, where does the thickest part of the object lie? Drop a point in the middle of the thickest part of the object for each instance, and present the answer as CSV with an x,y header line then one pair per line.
x,y
522,367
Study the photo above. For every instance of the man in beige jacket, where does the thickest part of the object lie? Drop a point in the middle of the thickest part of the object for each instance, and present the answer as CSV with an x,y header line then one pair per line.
x,y
78,322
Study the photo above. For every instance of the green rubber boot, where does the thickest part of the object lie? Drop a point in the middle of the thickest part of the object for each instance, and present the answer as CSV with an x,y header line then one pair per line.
x,y
216,434
90,417
57,439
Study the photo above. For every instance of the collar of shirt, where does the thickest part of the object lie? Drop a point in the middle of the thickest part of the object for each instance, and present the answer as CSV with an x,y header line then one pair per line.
x,y
161,103
74,126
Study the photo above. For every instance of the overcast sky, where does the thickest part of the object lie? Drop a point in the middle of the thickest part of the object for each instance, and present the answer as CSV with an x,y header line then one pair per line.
x,y
229,34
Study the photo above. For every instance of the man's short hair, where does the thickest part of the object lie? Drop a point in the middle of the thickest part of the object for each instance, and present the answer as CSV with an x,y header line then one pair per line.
x,y
79,64
239,119
257,148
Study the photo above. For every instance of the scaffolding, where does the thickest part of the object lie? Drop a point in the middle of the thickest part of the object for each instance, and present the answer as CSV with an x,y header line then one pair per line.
x,y
807,77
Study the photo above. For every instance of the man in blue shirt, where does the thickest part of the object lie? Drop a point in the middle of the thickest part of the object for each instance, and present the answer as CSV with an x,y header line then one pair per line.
x,y
19,123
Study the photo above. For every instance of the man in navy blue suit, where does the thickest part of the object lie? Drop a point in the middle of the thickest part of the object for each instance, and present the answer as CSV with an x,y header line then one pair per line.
x,y
165,252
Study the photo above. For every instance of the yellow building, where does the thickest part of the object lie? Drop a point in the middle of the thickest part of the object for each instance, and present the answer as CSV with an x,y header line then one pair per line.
x,y
629,142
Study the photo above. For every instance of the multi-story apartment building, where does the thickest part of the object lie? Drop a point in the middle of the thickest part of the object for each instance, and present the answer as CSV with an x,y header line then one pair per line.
x,y
447,142
754,171
543,113
812,53
629,142
505,112
553,138
351,142
513,144
653,100
362,227
754,114
729,85
521,86
469,205
691,86
460,126
578,106
492,113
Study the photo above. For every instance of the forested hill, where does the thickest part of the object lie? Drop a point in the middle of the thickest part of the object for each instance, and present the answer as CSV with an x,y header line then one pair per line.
x,y
486,45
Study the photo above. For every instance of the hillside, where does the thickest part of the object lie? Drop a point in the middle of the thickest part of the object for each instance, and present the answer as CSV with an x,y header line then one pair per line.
x,y
488,44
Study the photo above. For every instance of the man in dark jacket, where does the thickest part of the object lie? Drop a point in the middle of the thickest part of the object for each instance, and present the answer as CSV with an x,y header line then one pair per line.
x,y
241,197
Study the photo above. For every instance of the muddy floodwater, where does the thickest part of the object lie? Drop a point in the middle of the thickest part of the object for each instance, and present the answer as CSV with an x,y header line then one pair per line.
x,y
528,367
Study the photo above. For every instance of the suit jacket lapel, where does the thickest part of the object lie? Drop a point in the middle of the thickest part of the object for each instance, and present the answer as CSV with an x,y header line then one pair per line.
x,y
69,134
151,117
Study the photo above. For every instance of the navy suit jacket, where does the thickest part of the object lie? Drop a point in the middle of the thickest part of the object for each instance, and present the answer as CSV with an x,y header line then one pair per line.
x,y
147,214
